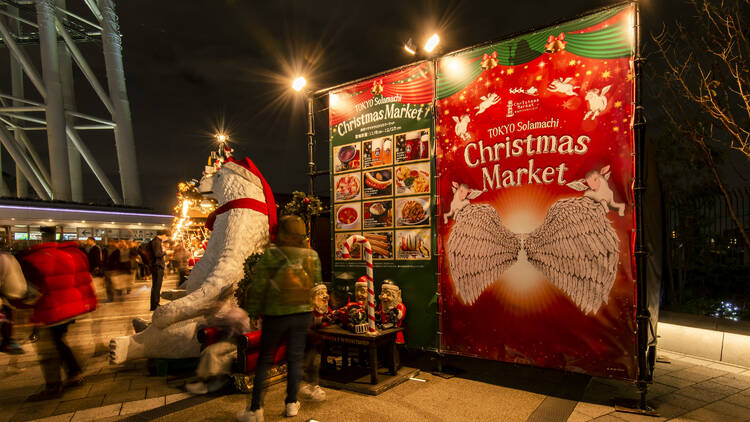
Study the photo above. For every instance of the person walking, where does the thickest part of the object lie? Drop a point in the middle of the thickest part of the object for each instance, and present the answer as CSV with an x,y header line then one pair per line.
x,y
157,266
181,257
94,254
61,272
280,292
13,288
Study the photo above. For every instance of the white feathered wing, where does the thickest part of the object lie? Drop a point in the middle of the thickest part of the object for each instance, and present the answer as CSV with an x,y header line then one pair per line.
x,y
479,250
577,249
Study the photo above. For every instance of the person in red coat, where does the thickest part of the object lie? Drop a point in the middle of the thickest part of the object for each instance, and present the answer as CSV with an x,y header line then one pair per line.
x,y
61,273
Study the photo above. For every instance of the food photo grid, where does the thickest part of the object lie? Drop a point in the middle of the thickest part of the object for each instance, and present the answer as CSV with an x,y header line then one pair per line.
x,y
382,191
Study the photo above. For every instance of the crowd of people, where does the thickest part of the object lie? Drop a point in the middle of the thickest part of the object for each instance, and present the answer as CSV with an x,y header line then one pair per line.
x,y
55,282
286,280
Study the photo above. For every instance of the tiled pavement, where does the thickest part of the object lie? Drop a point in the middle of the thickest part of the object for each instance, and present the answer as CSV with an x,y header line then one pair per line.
x,y
685,389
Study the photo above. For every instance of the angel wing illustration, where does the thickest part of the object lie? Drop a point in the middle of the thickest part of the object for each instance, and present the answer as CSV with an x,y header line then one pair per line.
x,y
479,250
576,249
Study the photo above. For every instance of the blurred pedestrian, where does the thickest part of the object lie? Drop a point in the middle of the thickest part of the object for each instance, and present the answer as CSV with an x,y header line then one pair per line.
x,y
13,288
124,267
110,266
61,272
181,258
94,254
280,293
157,266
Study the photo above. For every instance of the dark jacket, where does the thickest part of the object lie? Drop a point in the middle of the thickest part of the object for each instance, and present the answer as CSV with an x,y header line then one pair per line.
x,y
157,253
95,258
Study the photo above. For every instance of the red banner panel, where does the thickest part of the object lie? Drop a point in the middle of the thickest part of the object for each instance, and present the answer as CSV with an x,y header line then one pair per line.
x,y
534,157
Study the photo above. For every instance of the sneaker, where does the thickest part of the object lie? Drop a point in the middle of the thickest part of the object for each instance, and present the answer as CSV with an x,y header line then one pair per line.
x,y
315,393
249,416
292,409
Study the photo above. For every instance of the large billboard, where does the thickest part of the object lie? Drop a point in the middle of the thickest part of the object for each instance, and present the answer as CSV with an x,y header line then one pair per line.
x,y
535,220
381,132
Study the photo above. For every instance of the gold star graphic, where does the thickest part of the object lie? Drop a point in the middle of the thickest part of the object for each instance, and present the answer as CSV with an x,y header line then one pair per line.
x,y
588,72
606,74
616,129
572,63
618,104
539,78
510,71
446,112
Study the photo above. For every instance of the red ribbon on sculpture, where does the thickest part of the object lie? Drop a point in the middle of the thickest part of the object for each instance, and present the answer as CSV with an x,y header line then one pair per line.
x,y
489,61
247,203
370,289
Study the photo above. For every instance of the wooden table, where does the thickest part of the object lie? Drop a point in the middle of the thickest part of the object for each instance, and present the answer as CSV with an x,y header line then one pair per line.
x,y
344,338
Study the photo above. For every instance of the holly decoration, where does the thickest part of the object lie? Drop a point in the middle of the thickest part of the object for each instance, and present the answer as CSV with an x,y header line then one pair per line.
x,y
303,206
377,87
244,285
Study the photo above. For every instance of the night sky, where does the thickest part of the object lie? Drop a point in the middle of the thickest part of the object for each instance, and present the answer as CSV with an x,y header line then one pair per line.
x,y
193,67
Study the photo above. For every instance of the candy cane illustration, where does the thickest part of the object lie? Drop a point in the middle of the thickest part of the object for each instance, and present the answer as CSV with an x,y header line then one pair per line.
x,y
370,289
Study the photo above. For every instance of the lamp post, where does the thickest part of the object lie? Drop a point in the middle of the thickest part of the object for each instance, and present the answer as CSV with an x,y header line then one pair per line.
x,y
297,85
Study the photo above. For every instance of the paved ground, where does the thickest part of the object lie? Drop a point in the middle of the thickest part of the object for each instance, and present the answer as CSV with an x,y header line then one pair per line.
x,y
686,389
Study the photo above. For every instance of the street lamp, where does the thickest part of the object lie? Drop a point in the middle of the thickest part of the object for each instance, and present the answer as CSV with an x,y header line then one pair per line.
x,y
432,43
299,83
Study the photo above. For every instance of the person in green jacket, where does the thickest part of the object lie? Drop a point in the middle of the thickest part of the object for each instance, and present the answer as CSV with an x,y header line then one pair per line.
x,y
280,292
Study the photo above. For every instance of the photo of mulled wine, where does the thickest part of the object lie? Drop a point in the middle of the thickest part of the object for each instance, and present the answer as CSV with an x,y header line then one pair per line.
x,y
414,145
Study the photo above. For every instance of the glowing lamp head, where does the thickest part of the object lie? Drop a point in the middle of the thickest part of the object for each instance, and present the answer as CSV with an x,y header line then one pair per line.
x,y
299,83
222,137
432,43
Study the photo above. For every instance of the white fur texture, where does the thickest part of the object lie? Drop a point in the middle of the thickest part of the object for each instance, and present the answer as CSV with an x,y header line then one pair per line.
x,y
237,234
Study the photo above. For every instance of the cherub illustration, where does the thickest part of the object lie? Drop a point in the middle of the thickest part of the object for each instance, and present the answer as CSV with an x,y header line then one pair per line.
x,y
487,102
597,102
596,187
461,196
462,125
563,86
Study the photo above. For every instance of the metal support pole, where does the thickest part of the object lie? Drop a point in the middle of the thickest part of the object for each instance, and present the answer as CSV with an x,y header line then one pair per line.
x,y
639,190
4,191
58,147
16,78
21,162
310,143
69,101
84,66
94,166
19,55
126,156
